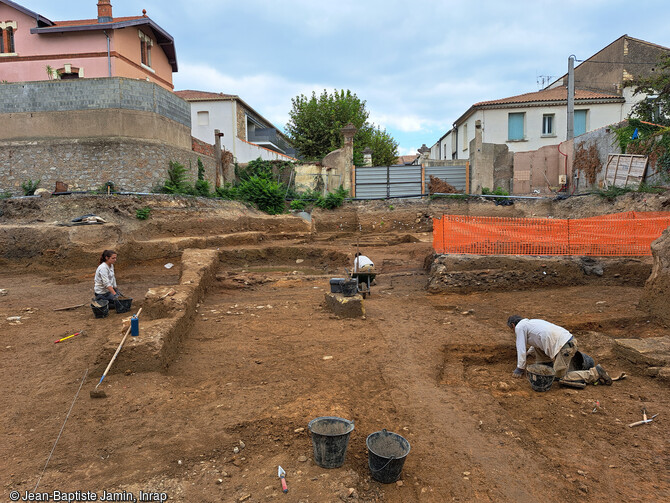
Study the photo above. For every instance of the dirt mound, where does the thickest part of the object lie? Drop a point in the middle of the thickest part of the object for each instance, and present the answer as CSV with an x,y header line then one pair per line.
x,y
439,186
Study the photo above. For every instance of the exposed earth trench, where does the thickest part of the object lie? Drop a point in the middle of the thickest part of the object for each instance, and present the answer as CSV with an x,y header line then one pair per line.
x,y
264,356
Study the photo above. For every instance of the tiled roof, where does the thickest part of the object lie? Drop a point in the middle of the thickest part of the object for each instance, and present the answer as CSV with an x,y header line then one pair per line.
x,y
190,95
406,159
556,94
87,22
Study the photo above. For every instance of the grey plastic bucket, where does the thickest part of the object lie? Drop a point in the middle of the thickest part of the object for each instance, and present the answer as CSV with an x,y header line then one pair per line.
x,y
100,308
122,305
330,437
540,377
386,455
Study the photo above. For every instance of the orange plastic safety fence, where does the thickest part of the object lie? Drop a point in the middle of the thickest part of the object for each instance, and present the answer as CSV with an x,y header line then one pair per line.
x,y
628,234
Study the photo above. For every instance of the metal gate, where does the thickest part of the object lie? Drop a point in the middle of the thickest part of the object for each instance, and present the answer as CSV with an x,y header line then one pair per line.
x,y
384,182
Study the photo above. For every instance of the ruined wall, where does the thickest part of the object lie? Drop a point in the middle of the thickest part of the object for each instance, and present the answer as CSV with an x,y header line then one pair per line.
x,y
491,166
606,143
538,171
86,164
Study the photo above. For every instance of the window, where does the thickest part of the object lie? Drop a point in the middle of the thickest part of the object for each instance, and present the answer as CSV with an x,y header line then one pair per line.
x,y
548,125
445,152
465,136
7,30
580,122
145,49
515,126
203,118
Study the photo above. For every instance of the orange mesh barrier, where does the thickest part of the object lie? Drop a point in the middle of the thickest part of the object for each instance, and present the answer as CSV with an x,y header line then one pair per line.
x,y
628,234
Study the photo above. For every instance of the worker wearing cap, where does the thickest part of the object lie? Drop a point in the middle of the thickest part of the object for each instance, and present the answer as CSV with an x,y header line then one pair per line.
x,y
550,343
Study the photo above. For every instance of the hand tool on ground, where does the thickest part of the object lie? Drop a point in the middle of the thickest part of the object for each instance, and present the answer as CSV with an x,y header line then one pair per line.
x,y
170,292
644,419
621,376
66,338
572,384
282,475
99,393
69,307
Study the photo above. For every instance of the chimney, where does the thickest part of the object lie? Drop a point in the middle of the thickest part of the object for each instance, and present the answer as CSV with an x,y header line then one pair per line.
x,y
104,11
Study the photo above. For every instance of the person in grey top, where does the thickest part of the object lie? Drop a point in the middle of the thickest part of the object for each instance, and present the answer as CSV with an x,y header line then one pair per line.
x,y
550,343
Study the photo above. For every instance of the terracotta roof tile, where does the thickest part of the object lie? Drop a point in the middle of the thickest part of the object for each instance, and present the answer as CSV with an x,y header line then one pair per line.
x,y
406,159
190,95
556,94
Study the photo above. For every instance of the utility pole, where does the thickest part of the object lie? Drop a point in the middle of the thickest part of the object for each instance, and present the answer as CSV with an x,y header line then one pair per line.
x,y
217,157
571,97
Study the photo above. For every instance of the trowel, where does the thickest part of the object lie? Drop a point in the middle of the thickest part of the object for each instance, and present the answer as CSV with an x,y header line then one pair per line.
x,y
282,475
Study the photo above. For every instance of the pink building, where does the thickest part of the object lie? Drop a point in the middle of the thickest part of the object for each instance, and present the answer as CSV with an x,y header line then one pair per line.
x,y
33,47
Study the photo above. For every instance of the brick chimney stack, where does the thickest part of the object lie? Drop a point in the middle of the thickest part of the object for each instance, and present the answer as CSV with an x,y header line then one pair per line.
x,y
104,11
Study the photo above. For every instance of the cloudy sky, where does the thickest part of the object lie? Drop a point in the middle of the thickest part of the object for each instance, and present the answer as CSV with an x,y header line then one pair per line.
x,y
418,64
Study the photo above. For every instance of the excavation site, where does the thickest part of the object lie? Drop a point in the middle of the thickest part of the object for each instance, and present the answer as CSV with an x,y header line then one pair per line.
x,y
247,334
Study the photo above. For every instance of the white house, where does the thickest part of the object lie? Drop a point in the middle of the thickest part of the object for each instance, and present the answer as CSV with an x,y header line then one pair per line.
x,y
245,132
529,121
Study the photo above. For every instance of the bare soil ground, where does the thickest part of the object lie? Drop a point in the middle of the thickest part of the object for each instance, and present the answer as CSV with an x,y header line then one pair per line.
x,y
252,373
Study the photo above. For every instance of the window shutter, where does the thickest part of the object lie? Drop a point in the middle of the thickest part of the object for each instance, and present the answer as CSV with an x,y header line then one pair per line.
x,y
515,126
580,122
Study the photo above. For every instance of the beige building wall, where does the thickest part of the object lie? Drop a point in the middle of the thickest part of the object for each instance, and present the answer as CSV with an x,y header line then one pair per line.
x,y
113,122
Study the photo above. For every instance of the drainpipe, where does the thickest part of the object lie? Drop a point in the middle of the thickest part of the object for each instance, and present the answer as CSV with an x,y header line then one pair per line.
x,y
109,59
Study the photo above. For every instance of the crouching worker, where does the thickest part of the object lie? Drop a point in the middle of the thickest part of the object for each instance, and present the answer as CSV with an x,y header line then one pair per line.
x,y
363,264
105,281
554,344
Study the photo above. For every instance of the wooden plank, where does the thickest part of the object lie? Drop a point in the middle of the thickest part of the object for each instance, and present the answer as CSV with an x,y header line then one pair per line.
x,y
630,165
616,168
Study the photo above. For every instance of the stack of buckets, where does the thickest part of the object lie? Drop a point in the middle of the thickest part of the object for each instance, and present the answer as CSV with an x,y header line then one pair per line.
x,y
386,451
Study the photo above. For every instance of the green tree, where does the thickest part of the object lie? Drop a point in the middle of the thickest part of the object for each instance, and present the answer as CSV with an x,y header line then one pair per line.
x,y
655,110
383,145
316,122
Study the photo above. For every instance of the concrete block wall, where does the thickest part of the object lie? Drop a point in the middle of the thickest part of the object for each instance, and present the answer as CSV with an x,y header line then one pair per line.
x,y
86,164
92,94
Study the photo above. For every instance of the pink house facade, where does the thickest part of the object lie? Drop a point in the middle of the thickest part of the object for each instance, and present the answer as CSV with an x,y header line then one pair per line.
x,y
33,47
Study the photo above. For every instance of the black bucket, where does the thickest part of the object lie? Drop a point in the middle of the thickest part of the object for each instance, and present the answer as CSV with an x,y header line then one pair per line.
x,y
541,377
100,308
581,361
386,455
122,305
350,287
330,437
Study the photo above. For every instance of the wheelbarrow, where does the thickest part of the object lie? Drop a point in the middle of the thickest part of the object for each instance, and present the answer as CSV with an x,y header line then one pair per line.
x,y
365,279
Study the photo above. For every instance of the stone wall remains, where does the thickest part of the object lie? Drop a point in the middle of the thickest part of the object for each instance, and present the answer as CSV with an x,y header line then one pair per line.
x,y
86,164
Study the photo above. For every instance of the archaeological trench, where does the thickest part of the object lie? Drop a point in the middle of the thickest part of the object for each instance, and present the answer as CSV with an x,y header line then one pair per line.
x,y
214,245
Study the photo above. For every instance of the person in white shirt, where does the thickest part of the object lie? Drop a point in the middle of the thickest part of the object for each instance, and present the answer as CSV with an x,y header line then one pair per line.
x,y
105,280
550,343
363,263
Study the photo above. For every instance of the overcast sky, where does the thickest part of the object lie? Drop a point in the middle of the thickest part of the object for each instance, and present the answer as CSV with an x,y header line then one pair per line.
x,y
418,64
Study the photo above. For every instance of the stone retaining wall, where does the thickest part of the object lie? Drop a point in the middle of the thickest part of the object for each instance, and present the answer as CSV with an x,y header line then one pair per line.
x,y
165,318
87,164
